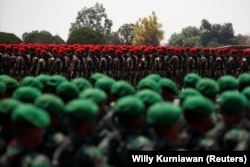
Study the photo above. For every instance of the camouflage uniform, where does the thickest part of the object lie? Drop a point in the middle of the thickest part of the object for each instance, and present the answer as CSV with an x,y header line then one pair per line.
x,y
20,156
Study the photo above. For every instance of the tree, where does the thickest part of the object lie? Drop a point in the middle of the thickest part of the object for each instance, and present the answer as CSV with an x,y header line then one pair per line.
x,y
9,38
189,36
126,34
86,35
44,37
94,18
243,39
221,34
147,31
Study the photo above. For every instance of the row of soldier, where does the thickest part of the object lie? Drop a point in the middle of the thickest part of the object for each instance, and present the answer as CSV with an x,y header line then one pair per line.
x,y
95,121
129,63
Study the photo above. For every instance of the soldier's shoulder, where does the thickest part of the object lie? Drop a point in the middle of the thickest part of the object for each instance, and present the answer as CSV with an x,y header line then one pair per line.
x,y
36,160
90,156
140,143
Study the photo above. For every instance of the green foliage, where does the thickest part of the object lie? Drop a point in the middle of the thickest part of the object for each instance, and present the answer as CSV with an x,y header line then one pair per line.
x,y
147,31
44,37
207,35
94,18
86,35
9,38
126,34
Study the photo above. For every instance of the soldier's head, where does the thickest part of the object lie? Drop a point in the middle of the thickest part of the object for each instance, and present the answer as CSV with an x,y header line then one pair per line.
x,y
244,81
233,107
208,88
10,85
169,89
164,118
122,88
149,97
130,112
198,113
83,115
228,82
22,52
53,105
191,79
28,122
98,96
186,93
67,91
246,93
105,84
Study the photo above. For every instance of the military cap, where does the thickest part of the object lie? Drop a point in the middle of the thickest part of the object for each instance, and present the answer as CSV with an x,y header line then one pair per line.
x,y
149,96
94,94
231,101
130,105
43,78
94,77
67,90
246,92
32,82
228,82
7,105
3,76
147,83
2,87
169,84
244,81
56,80
85,110
154,77
50,103
105,83
163,114
122,88
10,83
188,92
191,79
198,105
235,139
81,83
26,94
208,87
27,113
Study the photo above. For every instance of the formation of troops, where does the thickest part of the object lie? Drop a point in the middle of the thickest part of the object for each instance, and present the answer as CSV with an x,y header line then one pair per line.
x,y
88,105
125,62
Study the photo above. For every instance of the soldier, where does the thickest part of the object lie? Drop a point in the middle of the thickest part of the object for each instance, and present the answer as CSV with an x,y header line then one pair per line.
x,y
28,123
197,112
42,65
75,150
18,69
67,91
6,108
205,63
147,83
54,106
244,81
245,124
208,88
228,82
75,65
129,112
169,89
11,85
164,117
26,94
233,108
190,80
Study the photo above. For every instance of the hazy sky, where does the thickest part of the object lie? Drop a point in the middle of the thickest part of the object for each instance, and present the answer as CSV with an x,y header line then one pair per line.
x,y
55,16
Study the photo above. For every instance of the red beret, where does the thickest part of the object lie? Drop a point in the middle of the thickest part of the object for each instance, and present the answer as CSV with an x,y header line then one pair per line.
x,y
61,52
16,49
44,53
118,52
160,51
233,51
22,50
